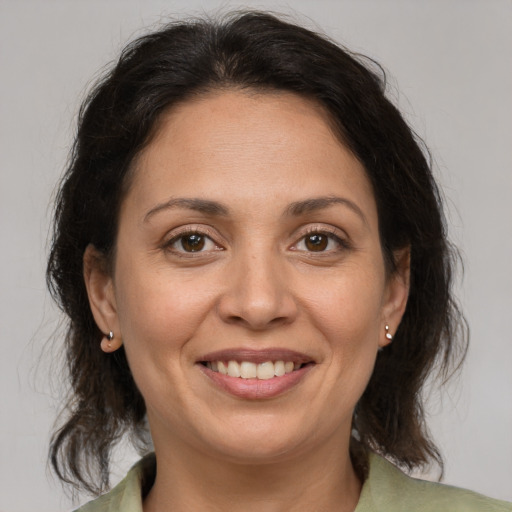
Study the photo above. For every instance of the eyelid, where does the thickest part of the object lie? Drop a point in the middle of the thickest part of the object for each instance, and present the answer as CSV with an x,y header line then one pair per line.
x,y
335,233
175,234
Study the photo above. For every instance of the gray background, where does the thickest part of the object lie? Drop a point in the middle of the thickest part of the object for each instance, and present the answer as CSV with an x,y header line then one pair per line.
x,y
451,64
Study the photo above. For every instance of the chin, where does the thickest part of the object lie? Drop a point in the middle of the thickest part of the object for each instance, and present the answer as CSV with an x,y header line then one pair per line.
x,y
258,451
261,439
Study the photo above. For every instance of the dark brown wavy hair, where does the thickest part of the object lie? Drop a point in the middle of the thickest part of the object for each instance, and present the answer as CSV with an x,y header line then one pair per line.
x,y
258,51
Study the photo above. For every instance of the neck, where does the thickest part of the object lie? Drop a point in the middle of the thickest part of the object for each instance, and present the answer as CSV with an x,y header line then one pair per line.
x,y
190,480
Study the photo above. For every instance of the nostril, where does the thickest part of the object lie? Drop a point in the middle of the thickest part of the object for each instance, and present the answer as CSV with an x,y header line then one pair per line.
x,y
278,320
235,319
255,323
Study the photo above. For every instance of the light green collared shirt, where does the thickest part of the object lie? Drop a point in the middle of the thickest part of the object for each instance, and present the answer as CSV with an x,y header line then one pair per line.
x,y
386,489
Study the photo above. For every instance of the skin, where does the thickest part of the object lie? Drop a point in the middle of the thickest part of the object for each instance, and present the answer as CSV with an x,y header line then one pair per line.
x,y
255,285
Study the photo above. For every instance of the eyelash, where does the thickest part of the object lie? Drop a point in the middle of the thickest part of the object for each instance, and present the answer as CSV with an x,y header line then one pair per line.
x,y
331,234
176,238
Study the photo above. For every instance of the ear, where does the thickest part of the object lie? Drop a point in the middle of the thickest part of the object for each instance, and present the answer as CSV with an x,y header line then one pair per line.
x,y
100,290
396,294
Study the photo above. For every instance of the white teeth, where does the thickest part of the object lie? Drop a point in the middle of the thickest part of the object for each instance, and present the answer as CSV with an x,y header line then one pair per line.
x,y
233,369
249,370
279,368
265,371
222,368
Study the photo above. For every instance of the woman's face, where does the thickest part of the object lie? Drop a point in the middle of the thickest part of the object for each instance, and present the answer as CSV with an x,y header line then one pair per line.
x,y
249,234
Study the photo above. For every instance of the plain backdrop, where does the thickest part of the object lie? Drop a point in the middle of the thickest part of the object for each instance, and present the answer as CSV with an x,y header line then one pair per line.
x,y
449,64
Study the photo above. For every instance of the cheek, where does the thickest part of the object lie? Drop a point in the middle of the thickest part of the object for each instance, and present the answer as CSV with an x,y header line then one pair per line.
x,y
346,308
347,305
157,321
158,314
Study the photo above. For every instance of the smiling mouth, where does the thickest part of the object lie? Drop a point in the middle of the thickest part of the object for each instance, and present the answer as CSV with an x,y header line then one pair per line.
x,y
249,370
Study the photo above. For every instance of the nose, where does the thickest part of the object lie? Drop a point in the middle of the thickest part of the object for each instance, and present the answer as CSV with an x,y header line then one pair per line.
x,y
258,295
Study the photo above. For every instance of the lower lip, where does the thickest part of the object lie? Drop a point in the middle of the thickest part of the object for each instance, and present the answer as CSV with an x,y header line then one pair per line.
x,y
256,389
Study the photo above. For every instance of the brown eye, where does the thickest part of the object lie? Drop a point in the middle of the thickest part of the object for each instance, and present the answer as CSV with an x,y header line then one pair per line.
x,y
316,242
193,242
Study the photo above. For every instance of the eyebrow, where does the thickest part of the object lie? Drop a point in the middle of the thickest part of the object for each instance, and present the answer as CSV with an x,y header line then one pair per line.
x,y
295,209
200,205
319,203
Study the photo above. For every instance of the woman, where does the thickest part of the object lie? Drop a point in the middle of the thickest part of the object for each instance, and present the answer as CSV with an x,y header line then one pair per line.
x,y
250,247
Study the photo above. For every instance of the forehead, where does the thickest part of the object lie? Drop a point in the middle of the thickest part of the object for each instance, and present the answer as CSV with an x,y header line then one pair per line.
x,y
233,145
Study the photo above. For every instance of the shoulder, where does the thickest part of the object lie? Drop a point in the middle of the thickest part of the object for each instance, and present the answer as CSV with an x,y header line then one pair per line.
x,y
387,488
128,494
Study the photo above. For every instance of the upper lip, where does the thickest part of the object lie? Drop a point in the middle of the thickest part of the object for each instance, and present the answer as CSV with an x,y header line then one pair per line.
x,y
257,356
